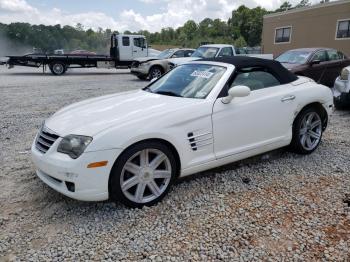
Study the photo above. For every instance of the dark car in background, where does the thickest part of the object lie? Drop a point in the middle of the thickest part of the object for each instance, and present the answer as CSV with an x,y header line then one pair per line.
x,y
321,64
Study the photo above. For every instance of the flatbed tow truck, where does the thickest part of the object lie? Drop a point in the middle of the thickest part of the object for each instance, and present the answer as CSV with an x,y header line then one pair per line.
x,y
123,50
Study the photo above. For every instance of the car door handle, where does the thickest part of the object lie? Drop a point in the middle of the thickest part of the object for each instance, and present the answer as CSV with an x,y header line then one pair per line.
x,y
135,51
288,98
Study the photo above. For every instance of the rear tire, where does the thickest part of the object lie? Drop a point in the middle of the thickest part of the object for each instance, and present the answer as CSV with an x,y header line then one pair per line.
x,y
143,174
58,68
307,131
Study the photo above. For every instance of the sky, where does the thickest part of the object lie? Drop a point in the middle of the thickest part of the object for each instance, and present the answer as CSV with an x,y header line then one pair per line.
x,y
121,15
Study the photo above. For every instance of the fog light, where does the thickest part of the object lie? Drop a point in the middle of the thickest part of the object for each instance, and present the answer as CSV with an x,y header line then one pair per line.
x,y
70,186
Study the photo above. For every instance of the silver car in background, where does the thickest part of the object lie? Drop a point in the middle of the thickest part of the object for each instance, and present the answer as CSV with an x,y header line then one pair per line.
x,y
154,67
341,90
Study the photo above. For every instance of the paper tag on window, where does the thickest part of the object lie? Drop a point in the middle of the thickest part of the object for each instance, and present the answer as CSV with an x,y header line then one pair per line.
x,y
203,74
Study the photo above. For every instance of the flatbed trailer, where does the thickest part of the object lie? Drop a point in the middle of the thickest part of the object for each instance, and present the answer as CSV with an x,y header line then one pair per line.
x,y
122,52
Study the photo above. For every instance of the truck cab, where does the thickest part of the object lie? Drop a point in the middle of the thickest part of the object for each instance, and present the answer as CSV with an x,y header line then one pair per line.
x,y
125,48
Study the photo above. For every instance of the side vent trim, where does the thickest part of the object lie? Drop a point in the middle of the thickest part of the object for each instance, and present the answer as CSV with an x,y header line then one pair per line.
x,y
198,140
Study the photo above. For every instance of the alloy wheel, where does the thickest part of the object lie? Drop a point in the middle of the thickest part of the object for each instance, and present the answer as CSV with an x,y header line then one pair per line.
x,y
310,131
145,176
156,73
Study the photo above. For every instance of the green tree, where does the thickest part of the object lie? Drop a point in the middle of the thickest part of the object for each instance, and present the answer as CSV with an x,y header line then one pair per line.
x,y
284,7
303,3
240,42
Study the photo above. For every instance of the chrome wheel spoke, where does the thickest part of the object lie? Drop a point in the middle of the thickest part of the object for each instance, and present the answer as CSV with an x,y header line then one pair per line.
x,y
144,158
162,174
309,119
303,131
152,185
314,134
140,190
308,142
157,161
130,183
132,168
315,124
303,139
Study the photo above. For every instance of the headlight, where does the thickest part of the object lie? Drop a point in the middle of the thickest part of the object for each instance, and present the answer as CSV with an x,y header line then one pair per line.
x,y
74,145
344,75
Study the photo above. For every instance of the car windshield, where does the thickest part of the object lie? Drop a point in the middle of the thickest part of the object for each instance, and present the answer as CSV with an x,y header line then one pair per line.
x,y
205,52
165,54
294,57
189,80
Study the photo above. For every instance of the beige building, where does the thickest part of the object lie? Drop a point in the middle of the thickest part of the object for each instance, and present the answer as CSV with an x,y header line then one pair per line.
x,y
321,25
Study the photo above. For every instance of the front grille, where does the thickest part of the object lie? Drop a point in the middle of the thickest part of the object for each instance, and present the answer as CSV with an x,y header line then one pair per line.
x,y
45,140
135,64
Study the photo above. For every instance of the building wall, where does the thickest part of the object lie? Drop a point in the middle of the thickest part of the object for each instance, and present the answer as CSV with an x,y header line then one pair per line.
x,y
311,27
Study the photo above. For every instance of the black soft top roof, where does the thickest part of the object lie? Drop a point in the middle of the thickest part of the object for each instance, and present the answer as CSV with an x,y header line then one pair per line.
x,y
279,71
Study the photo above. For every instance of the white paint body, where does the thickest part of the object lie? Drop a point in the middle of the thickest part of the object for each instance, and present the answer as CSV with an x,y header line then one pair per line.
x,y
225,133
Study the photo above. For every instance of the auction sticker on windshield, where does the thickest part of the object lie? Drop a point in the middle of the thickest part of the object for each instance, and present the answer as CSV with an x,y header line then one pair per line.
x,y
202,74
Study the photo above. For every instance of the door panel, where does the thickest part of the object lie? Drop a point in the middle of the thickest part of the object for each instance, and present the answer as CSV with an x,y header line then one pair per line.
x,y
139,47
317,71
262,118
125,48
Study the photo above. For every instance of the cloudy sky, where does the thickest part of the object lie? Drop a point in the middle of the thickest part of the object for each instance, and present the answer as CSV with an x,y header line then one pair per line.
x,y
123,15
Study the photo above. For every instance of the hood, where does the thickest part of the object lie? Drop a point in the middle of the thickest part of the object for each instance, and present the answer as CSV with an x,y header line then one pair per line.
x,y
182,60
92,116
146,59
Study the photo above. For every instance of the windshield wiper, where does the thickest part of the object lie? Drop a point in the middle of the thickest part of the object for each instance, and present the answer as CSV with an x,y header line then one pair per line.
x,y
168,93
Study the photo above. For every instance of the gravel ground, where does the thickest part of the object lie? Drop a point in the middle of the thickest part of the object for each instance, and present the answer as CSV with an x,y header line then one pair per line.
x,y
278,207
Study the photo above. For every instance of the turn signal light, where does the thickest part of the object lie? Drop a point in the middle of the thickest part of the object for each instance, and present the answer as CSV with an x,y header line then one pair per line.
x,y
97,164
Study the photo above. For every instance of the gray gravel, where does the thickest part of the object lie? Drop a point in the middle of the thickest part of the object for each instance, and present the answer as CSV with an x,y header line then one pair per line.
x,y
278,207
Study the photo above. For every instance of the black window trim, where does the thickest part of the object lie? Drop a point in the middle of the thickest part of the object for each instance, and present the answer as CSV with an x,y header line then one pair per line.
x,y
229,47
126,37
224,90
290,34
337,29
320,50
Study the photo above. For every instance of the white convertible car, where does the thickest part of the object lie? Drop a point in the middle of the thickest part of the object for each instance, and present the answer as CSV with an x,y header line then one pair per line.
x,y
132,146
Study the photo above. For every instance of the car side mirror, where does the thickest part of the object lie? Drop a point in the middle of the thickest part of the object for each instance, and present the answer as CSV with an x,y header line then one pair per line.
x,y
236,91
315,62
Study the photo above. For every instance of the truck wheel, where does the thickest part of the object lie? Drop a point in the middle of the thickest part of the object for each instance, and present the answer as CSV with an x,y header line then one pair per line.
x,y
155,72
58,68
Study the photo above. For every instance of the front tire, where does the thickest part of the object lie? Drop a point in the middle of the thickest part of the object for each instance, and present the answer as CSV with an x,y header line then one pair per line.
x,y
307,131
155,72
143,174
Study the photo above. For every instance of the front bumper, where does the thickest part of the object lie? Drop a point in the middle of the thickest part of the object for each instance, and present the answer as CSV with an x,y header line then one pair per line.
x,y
60,172
140,70
341,91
